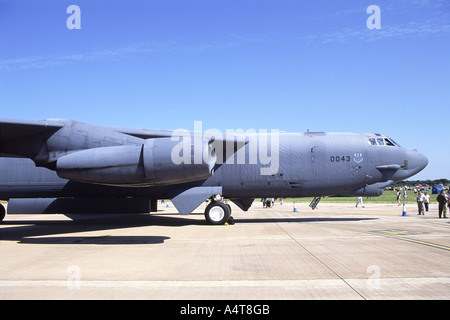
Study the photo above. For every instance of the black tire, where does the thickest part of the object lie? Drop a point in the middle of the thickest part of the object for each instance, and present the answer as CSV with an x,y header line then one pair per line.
x,y
2,212
217,213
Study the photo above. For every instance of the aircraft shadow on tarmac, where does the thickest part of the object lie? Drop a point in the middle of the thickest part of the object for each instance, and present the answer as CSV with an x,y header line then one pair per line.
x,y
52,232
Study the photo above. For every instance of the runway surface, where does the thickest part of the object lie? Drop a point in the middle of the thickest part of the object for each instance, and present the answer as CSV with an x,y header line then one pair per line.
x,y
334,252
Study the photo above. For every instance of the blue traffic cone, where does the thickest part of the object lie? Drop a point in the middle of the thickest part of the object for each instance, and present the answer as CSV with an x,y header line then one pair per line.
x,y
295,208
404,214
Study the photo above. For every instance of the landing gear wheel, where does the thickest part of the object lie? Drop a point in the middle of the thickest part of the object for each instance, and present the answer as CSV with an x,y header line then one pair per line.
x,y
2,213
217,213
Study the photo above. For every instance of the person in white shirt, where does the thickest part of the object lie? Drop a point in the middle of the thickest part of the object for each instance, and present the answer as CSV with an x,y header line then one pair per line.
x,y
426,202
420,201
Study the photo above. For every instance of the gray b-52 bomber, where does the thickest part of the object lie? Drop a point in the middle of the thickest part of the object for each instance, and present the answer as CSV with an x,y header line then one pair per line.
x,y
65,166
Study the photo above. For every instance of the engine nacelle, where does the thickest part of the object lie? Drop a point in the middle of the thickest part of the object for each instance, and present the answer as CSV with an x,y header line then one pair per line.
x,y
152,163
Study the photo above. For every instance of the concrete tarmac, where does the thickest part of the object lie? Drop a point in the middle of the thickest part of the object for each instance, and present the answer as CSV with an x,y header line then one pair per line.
x,y
334,252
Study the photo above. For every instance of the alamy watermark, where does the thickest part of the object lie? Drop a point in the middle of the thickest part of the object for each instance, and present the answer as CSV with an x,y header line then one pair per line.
x,y
236,146
374,280
74,277
74,20
374,20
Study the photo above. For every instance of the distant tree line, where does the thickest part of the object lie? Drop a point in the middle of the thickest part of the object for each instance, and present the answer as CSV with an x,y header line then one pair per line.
x,y
411,183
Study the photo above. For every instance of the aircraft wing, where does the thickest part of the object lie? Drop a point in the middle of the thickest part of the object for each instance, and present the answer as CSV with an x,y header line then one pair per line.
x,y
219,141
28,138
160,133
144,133
11,130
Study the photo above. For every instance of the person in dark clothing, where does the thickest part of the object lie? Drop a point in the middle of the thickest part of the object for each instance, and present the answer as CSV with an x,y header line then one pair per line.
x,y
442,200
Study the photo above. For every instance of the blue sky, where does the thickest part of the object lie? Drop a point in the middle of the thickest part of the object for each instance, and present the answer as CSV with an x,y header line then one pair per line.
x,y
287,64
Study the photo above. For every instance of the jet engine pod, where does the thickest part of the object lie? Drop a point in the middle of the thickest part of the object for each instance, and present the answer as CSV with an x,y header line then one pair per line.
x,y
107,165
167,162
156,162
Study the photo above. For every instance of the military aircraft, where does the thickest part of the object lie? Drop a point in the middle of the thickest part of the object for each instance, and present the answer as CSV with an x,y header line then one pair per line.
x,y
65,166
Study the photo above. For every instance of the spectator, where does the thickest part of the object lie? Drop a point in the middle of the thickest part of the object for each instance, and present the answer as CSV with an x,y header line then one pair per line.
x,y
426,202
443,202
420,201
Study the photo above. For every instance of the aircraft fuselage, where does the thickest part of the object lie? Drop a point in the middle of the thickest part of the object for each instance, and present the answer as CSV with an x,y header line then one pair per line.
x,y
286,165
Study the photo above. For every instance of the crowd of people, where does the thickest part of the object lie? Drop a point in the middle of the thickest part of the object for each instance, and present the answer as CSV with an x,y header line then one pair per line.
x,y
443,199
423,201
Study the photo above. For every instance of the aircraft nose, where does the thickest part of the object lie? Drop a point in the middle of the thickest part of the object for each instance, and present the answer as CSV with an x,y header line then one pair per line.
x,y
416,161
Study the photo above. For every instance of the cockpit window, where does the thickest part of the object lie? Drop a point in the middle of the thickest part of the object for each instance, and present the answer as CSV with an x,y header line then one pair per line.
x,y
389,143
394,142
382,142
